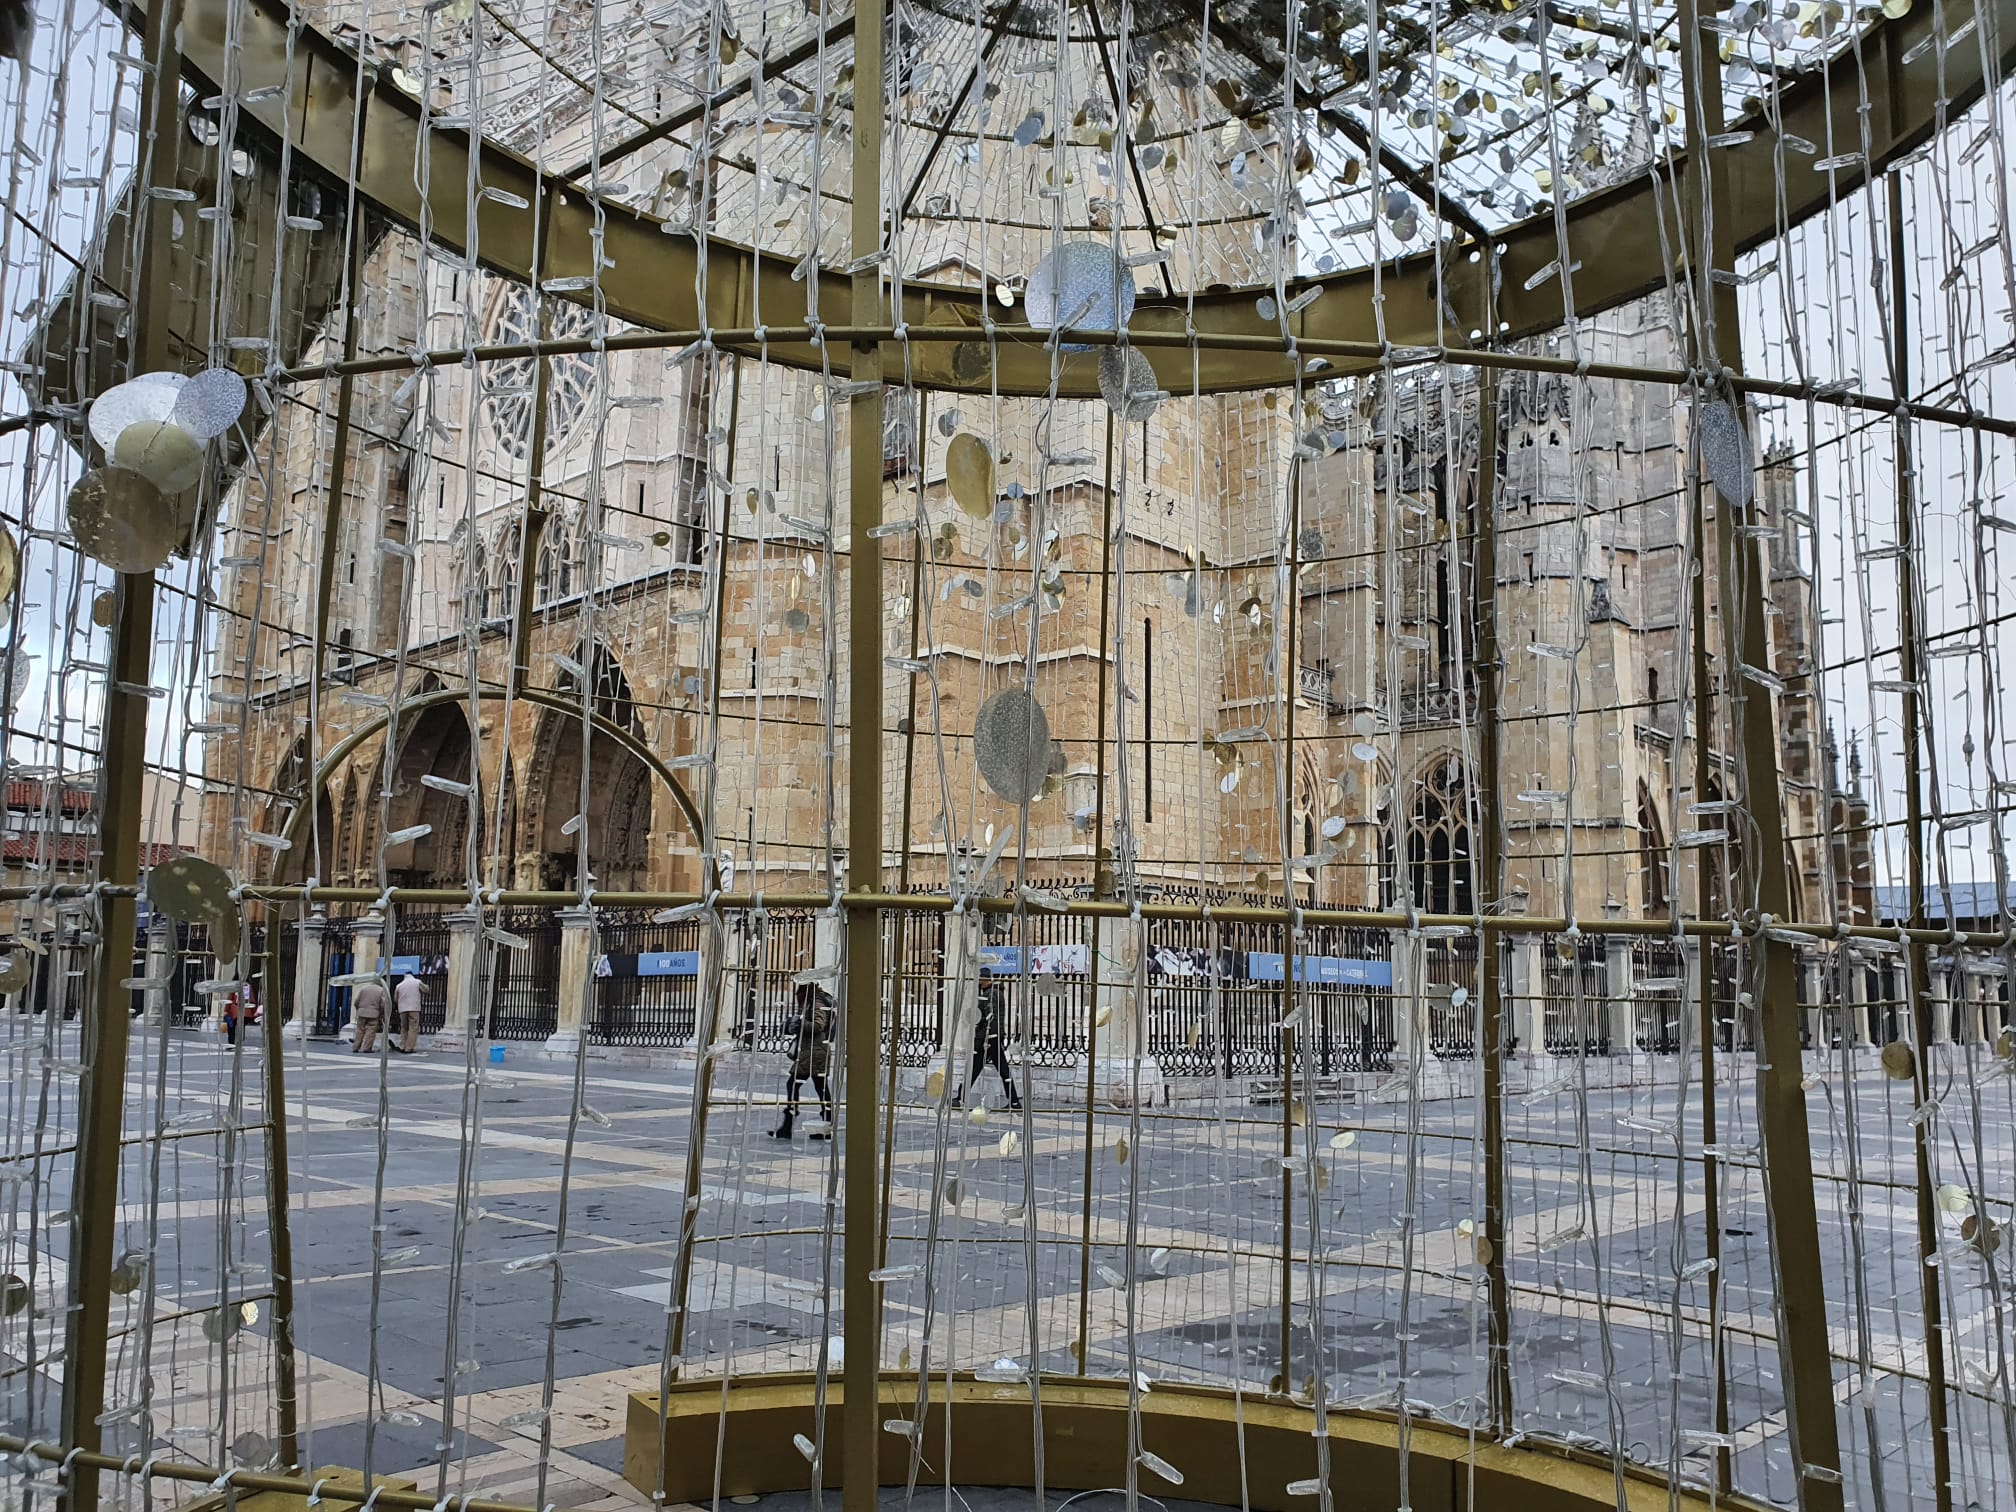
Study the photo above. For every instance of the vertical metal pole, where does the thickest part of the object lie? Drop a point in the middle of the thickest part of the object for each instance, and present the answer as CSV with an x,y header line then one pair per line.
x,y
94,1186
1284,806
863,1366
1490,884
703,1073
1801,1299
285,1397
346,390
1102,887
1100,857
903,920
1711,1170
1287,1048
1078,1347
1909,671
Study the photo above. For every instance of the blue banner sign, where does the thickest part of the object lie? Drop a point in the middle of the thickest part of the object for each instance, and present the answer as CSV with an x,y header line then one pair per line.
x,y
1265,966
664,963
400,966
1072,958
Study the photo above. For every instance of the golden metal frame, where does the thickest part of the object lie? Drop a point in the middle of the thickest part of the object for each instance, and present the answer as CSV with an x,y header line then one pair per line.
x,y
647,278
94,1193
1232,1451
1214,342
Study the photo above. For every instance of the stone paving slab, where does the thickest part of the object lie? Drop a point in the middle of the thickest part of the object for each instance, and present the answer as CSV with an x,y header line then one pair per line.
x,y
1592,1257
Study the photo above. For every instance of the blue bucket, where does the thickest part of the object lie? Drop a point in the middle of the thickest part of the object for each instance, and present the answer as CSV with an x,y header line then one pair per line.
x,y
496,1055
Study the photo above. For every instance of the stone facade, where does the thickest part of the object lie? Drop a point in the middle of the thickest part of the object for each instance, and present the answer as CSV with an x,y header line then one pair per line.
x,y
646,462
686,541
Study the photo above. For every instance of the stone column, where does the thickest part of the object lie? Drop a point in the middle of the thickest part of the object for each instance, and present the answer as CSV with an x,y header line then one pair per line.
x,y
1689,1011
959,1000
1410,1007
1813,982
221,967
1973,1024
1618,987
465,981
717,1014
829,931
580,948
1529,993
367,935
1858,1004
1939,982
160,968
304,1007
1117,1070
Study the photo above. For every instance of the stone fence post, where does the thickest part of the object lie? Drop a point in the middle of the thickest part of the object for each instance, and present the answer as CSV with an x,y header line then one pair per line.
x,y
304,1007
464,1014
1528,987
579,950
1620,986
1118,1070
959,998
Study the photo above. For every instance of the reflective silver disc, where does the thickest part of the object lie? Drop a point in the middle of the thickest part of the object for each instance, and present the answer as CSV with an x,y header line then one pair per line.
x,y
192,890
220,1323
1011,743
119,518
1081,286
151,396
1127,384
969,474
128,1273
162,452
210,403
1725,453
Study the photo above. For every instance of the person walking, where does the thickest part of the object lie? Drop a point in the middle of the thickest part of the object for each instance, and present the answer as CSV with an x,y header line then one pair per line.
x,y
406,998
367,1011
811,1031
987,1046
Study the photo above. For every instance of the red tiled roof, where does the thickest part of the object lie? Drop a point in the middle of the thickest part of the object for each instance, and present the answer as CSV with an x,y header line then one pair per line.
x,y
32,793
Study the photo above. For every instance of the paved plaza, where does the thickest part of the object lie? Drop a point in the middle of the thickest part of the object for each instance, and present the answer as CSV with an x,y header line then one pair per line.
x,y
1601,1227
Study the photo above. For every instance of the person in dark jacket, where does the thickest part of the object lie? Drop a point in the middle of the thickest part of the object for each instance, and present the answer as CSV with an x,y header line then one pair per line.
x,y
811,1029
987,1046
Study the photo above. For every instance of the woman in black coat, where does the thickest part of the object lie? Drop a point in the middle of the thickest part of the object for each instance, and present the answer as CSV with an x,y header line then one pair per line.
x,y
987,1047
811,1029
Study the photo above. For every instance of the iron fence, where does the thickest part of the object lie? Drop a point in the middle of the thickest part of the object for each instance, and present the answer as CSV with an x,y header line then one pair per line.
x,y
1659,1010
635,1004
1214,1001
522,999
339,956
1454,1007
1576,983
913,948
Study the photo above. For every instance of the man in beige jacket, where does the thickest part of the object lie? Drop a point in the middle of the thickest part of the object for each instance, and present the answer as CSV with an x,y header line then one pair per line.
x,y
367,1012
406,998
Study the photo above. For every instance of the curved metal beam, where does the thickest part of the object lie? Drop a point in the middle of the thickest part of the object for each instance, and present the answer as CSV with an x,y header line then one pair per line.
x,y
648,277
340,752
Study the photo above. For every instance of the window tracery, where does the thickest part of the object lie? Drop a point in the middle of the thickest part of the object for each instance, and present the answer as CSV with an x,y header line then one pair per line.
x,y
509,383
